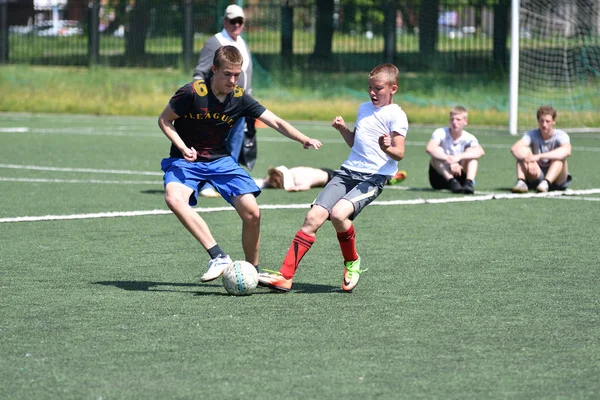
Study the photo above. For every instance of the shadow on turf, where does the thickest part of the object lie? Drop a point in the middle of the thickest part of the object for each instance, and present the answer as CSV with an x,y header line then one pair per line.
x,y
154,191
150,286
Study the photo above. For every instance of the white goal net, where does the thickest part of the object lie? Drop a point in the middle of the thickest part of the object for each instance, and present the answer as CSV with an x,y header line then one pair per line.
x,y
559,59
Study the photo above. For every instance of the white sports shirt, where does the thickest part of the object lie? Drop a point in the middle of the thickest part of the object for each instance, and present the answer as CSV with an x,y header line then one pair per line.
x,y
454,147
372,122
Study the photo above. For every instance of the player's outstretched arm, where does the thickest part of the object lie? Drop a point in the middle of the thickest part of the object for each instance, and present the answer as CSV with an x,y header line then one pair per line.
x,y
165,123
288,130
348,135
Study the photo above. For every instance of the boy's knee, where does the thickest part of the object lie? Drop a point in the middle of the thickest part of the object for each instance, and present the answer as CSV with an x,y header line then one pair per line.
x,y
252,215
314,219
339,215
174,200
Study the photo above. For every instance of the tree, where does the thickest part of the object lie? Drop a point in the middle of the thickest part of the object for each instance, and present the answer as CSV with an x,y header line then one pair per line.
x,y
324,32
428,27
287,32
120,7
135,37
500,54
587,17
389,31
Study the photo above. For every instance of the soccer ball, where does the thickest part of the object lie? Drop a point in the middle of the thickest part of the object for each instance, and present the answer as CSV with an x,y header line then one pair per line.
x,y
240,278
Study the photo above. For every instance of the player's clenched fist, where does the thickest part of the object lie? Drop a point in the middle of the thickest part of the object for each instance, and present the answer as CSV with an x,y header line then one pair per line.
x,y
338,123
385,141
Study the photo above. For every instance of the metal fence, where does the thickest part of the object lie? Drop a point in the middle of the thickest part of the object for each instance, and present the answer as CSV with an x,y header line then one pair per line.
x,y
453,36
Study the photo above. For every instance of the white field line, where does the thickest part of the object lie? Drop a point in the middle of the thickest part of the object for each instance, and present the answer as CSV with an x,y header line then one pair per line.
x,y
128,133
14,130
399,187
579,198
305,206
90,170
39,180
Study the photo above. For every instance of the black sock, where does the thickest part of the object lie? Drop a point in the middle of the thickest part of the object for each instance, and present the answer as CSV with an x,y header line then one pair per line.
x,y
215,252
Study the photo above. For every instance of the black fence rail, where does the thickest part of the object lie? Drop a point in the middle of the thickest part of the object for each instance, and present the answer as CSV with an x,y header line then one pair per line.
x,y
446,35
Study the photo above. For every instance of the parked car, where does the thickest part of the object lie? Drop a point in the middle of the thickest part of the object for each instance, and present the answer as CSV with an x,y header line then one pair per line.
x,y
457,32
60,28
21,29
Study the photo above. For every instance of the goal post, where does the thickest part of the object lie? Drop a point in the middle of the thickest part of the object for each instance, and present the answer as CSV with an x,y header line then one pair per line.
x,y
513,108
555,60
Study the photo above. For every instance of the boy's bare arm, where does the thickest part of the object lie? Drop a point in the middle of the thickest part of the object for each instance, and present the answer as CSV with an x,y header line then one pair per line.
x,y
348,135
288,130
560,153
520,150
472,153
436,151
393,145
165,123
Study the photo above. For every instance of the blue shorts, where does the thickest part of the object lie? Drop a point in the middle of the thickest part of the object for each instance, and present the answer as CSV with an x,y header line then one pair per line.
x,y
226,175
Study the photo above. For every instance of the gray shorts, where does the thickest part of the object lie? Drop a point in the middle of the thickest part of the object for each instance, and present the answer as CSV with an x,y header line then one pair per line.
x,y
357,187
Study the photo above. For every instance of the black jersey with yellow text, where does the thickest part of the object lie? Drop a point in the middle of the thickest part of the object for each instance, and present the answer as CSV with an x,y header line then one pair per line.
x,y
204,122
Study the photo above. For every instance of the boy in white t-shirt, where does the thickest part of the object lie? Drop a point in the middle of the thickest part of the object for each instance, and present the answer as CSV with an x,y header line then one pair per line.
x,y
377,144
542,156
454,155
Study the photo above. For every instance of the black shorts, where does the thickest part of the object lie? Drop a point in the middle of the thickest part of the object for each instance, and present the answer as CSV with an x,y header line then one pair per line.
x,y
553,186
330,173
438,181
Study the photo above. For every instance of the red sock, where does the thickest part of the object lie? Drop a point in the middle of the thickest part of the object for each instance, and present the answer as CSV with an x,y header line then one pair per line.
x,y
300,245
348,244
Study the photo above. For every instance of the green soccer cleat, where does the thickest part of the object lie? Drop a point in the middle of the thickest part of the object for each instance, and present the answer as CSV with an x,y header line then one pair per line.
x,y
399,177
351,275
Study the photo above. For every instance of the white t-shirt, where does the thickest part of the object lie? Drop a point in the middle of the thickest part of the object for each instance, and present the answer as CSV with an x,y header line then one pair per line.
x,y
226,40
453,147
538,145
372,122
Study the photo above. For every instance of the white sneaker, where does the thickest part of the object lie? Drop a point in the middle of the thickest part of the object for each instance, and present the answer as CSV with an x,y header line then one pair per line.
x,y
209,192
216,266
520,187
542,187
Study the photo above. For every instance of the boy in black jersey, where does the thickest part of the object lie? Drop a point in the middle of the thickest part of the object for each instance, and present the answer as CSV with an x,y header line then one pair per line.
x,y
197,121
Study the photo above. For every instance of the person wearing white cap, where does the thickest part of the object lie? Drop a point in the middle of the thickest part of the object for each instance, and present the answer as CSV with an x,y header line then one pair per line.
x,y
241,142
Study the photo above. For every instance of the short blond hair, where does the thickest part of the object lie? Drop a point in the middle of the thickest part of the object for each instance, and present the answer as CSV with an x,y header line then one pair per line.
x,y
386,72
458,110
